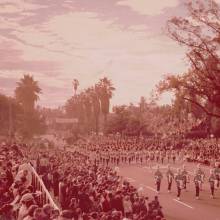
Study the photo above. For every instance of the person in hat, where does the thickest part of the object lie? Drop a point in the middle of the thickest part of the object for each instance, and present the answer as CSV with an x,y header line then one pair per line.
x,y
26,201
170,177
179,183
158,178
198,182
217,174
212,179
185,176
127,206
201,175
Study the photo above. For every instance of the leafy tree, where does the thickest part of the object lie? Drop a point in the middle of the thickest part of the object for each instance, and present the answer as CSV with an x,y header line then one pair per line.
x,y
10,112
32,124
4,113
118,120
199,33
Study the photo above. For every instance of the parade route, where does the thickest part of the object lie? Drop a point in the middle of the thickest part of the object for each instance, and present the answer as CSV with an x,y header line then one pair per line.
x,y
206,208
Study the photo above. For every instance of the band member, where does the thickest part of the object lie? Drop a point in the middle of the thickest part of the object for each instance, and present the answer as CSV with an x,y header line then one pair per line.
x,y
185,176
212,179
217,174
197,181
163,155
179,183
174,157
158,177
170,177
157,156
201,173
141,158
168,156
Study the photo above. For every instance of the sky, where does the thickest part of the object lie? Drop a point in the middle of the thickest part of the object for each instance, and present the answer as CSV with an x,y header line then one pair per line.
x,y
59,40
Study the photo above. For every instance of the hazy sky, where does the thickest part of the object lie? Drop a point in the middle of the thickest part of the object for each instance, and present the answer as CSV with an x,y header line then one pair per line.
x,y
59,40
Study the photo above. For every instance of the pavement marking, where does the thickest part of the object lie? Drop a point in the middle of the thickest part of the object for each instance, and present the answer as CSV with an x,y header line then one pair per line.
x,y
183,203
155,167
148,187
130,179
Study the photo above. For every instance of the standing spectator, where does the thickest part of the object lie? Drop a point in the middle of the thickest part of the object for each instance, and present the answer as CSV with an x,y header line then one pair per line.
x,y
56,179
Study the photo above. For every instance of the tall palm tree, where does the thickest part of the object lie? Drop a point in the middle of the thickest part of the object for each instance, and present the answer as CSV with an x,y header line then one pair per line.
x,y
105,91
75,85
88,107
27,92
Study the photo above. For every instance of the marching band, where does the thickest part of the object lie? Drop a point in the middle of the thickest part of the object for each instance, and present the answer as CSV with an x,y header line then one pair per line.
x,y
181,178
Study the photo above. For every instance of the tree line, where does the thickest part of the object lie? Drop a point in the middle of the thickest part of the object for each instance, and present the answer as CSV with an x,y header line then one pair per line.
x,y
91,105
196,91
18,114
199,33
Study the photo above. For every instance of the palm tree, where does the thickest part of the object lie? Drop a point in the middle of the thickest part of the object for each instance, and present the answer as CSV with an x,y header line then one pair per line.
x,y
88,107
96,107
27,92
105,91
75,85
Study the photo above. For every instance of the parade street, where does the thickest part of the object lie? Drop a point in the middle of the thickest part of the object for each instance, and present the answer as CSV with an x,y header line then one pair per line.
x,y
142,177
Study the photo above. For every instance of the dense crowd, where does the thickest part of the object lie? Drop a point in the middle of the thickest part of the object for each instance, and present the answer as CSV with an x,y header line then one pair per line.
x,y
91,191
84,190
83,181
18,198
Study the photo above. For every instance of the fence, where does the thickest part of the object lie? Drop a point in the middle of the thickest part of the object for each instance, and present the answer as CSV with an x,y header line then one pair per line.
x,y
37,183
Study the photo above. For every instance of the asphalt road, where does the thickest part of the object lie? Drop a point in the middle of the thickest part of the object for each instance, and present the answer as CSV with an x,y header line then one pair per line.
x,y
188,208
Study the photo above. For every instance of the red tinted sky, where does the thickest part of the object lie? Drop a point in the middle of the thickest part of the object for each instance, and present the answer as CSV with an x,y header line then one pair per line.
x,y
58,40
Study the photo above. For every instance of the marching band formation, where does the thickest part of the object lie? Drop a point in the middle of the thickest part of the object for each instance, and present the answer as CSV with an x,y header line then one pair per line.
x,y
150,152
182,178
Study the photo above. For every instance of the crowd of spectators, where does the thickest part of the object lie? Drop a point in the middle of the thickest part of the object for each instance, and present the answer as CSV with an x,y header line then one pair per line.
x,y
18,198
93,191
83,190
82,179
